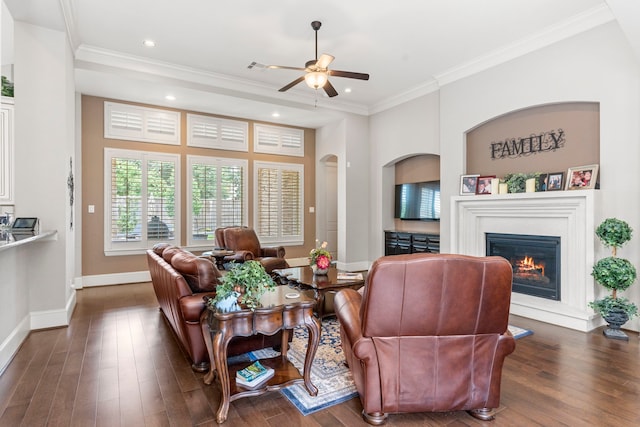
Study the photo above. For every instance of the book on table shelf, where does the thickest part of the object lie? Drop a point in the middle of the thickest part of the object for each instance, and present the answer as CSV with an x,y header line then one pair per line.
x,y
349,276
253,375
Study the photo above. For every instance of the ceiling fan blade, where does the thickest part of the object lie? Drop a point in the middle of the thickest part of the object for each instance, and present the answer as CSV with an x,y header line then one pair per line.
x,y
282,67
324,61
330,90
292,84
348,74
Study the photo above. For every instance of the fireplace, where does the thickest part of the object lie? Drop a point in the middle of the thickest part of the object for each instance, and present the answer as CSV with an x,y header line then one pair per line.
x,y
535,261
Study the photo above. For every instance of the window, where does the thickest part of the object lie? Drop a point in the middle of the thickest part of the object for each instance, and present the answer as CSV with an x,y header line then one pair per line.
x,y
279,196
135,123
141,188
278,140
216,196
213,132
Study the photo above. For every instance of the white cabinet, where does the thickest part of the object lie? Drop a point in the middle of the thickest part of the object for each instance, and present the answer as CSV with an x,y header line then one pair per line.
x,y
6,151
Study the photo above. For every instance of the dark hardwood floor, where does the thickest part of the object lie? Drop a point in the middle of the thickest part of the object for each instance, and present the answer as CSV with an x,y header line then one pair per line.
x,y
118,364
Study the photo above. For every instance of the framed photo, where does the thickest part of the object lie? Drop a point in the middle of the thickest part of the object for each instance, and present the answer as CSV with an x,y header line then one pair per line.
x,y
543,182
468,184
484,184
555,181
582,177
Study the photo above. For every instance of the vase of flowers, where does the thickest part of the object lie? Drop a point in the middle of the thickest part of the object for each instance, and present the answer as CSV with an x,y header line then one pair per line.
x,y
320,259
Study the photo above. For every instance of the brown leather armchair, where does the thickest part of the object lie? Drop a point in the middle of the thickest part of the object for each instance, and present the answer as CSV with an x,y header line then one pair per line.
x,y
244,242
428,334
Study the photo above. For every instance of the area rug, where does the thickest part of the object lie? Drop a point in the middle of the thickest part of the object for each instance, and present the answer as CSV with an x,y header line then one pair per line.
x,y
519,332
328,372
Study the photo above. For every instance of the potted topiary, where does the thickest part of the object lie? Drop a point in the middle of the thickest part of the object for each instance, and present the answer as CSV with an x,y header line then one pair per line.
x,y
615,274
243,284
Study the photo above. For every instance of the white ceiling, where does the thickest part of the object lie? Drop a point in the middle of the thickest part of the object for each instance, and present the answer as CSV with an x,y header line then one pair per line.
x,y
409,48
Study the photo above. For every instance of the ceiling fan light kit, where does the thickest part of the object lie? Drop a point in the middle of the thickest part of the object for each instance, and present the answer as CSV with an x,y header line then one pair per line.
x,y
316,79
317,70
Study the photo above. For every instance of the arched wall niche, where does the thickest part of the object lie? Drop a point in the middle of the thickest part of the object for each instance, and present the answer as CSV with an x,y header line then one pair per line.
x,y
545,138
416,168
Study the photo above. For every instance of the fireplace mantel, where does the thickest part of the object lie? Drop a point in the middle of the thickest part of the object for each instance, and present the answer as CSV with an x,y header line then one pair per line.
x,y
571,215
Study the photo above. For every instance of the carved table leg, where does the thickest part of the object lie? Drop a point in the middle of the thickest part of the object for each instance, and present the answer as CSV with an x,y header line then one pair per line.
x,y
313,326
206,334
220,344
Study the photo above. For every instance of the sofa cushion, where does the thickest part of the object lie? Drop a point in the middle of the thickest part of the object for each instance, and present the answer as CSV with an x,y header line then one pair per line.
x,y
169,252
200,273
158,248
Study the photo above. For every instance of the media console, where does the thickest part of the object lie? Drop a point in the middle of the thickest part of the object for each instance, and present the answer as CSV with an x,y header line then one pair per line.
x,y
405,242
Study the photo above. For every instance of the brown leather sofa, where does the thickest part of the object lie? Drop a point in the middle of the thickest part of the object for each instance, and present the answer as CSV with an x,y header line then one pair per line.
x,y
181,280
428,334
246,245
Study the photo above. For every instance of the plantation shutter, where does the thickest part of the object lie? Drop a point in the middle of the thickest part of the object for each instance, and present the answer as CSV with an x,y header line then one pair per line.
x,y
213,132
126,199
278,140
141,189
161,183
217,196
279,201
135,123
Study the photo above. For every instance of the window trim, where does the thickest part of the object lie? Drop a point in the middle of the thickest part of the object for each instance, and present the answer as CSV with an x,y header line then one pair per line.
x,y
217,161
136,247
279,240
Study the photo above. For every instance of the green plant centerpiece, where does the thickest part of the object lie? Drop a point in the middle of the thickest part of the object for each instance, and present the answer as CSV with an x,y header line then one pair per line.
x,y
516,182
7,87
615,274
244,283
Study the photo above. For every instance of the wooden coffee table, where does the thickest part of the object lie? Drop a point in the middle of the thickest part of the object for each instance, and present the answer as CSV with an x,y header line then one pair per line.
x,y
280,310
321,285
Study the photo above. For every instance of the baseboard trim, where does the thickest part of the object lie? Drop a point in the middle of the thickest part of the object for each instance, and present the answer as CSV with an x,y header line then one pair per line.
x,y
113,279
12,343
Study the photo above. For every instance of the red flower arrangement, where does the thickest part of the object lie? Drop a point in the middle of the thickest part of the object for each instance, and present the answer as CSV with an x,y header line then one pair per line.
x,y
320,256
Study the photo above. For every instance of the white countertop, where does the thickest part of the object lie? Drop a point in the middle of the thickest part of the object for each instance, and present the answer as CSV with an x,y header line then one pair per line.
x,y
10,240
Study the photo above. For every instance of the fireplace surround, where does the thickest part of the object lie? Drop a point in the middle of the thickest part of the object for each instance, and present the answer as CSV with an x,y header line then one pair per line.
x,y
570,215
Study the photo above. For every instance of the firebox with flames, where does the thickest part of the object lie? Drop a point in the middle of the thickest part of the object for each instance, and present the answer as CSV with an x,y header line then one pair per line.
x,y
527,269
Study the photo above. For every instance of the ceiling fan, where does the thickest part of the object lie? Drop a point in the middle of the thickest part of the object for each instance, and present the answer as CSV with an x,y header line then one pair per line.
x,y
317,71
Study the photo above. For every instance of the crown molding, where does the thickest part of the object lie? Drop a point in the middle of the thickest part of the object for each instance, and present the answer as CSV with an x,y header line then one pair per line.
x,y
215,82
411,94
69,17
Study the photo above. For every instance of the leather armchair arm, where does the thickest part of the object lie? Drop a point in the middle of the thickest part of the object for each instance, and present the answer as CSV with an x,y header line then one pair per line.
x,y
192,306
347,307
276,252
239,256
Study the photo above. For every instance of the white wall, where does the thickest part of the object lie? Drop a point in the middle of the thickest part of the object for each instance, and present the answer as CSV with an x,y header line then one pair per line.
x,y
348,140
35,278
595,66
395,134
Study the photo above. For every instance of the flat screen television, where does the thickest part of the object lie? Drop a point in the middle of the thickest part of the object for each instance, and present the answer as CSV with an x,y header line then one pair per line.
x,y
418,201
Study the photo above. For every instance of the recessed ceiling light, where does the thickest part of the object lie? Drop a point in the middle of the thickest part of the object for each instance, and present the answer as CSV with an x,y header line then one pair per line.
x,y
170,98
275,115
149,43
347,90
